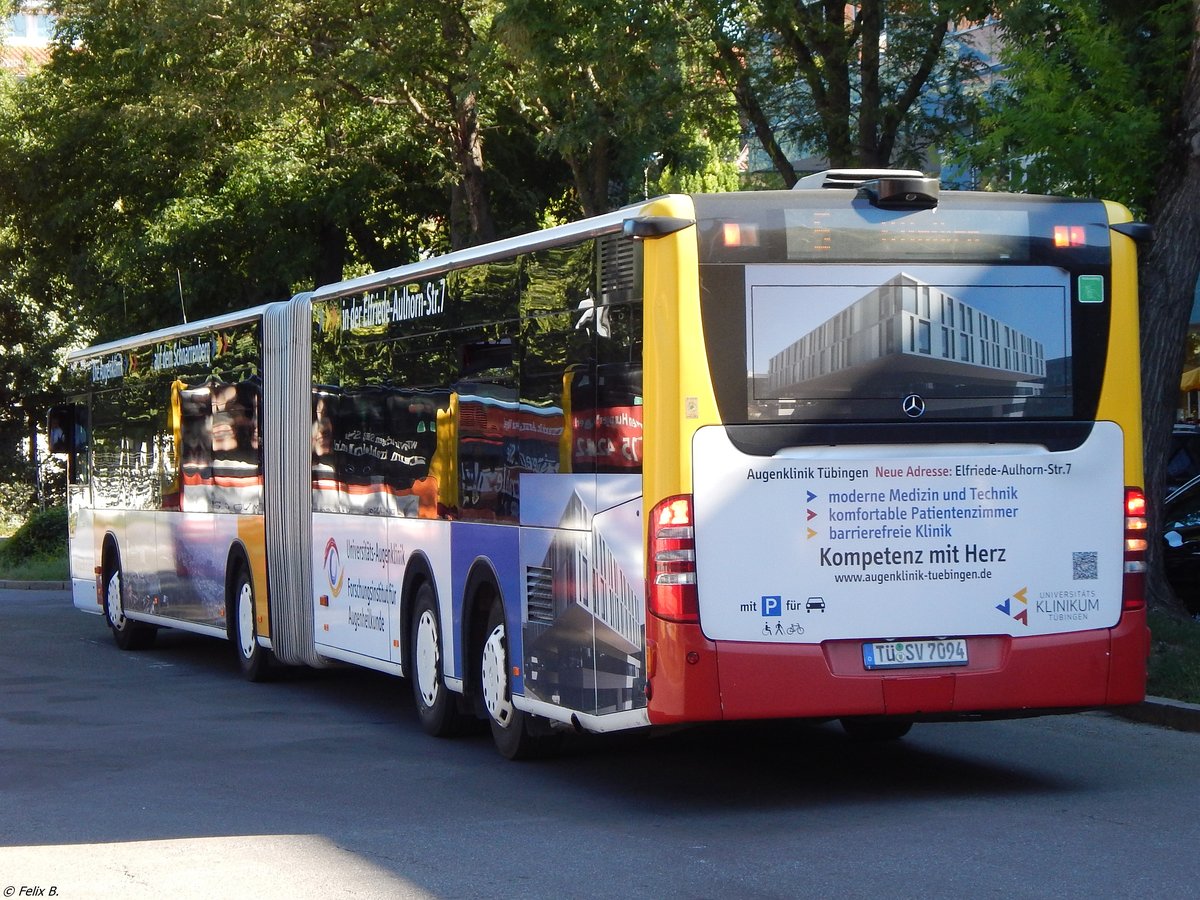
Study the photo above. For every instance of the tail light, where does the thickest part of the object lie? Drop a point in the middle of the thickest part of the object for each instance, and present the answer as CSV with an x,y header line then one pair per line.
x,y
671,591
1134,586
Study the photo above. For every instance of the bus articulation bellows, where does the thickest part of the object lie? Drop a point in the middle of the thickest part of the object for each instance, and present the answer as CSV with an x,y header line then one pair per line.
x,y
866,451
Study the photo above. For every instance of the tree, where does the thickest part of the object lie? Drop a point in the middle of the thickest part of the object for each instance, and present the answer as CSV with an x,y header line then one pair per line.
x,y
1106,101
181,159
868,84
1169,277
612,92
32,340
1086,88
435,61
139,152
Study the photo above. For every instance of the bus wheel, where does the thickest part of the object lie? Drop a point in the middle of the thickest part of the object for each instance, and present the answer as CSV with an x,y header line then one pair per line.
x,y
253,659
437,705
128,634
515,732
876,729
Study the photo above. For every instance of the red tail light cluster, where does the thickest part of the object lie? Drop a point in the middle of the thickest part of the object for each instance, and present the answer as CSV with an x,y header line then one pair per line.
x,y
1134,587
671,561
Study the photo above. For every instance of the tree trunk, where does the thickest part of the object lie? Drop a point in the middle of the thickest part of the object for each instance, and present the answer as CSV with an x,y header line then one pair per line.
x,y
836,104
746,97
468,153
1169,274
32,419
869,107
330,259
589,171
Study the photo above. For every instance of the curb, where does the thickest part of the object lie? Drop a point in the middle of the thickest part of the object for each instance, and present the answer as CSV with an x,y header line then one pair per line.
x,y
1161,711
34,585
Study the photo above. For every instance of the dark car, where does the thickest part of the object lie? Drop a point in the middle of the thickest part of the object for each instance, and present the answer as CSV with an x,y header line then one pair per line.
x,y
1181,542
1183,460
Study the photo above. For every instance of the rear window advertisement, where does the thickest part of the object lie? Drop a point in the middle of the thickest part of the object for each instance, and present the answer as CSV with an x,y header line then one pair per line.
x,y
973,341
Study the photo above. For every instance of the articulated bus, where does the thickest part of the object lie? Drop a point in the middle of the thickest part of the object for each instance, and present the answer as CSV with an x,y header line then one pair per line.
x,y
865,451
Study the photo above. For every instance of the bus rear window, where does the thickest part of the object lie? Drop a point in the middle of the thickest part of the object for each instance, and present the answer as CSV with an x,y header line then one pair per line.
x,y
819,307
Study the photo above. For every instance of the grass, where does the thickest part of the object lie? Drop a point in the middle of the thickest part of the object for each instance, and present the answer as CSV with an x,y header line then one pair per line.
x,y
42,567
39,568
1174,658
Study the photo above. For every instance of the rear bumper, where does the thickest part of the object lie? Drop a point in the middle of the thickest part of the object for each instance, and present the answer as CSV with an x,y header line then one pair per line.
x,y
1006,675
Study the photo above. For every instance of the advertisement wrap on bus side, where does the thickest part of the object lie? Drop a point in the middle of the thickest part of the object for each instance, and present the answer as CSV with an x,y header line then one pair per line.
x,y
358,569
355,572
875,543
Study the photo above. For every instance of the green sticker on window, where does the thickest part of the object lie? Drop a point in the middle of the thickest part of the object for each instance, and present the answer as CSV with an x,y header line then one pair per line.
x,y
1091,288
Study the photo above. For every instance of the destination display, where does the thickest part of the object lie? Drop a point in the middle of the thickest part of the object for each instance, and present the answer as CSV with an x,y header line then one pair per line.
x,y
875,542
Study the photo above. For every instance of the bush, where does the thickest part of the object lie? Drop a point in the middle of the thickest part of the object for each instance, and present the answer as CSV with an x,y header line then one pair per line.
x,y
43,534
17,500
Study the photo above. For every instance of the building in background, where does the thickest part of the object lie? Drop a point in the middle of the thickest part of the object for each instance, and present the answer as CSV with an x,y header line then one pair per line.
x,y
25,38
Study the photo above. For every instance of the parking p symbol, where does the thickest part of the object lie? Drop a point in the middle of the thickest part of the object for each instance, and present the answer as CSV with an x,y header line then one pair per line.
x,y
772,606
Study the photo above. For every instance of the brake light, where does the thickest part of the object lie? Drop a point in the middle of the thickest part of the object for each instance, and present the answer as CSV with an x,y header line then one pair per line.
x,y
1134,584
1068,236
739,234
671,579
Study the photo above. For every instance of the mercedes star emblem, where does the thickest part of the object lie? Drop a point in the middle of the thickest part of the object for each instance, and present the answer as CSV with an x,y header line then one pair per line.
x,y
913,406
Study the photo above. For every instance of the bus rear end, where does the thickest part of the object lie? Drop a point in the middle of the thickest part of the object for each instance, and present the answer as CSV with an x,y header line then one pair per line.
x,y
899,466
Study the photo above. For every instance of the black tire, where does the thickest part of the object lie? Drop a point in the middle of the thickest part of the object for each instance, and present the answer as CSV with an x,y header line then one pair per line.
x,y
877,730
253,658
128,634
517,734
437,706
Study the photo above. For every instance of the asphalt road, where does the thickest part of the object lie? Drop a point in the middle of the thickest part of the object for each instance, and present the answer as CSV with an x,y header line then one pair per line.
x,y
163,774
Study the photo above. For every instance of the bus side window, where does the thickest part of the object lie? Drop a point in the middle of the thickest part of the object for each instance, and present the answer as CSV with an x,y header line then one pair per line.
x,y
488,429
617,407
555,354
67,434
61,428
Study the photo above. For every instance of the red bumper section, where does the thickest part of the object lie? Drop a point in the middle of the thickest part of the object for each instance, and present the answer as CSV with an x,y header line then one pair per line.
x,y
693,679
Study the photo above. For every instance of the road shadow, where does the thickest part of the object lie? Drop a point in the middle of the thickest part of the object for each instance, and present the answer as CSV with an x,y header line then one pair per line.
x,y
748,765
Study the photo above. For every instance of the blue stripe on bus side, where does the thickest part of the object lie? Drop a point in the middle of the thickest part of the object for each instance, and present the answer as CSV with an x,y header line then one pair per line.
x,y
500,546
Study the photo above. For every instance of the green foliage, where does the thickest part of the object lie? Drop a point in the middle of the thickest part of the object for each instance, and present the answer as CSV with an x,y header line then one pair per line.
x,y
615,90
1087,101
44,533
16,501
188,159
711,169
181,159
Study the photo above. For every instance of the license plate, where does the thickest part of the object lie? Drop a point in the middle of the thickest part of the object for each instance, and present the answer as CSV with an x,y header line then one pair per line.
x,y
913,654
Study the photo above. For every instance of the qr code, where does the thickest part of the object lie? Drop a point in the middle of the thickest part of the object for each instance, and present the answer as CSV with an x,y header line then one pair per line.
x,y
1083,566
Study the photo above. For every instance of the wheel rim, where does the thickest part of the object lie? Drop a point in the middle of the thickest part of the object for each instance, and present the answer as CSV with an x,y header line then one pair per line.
x,y
495,679
245,608
116,610
427,658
